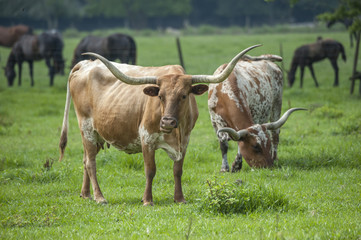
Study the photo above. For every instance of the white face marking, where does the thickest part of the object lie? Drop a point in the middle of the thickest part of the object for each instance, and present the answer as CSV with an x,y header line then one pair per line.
x,y
261,136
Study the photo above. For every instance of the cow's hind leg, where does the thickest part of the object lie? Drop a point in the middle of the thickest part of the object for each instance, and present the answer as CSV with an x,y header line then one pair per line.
x,y
237,164
85,189
90,151
224,150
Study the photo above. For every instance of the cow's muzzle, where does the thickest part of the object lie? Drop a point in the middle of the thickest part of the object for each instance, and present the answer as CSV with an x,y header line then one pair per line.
x,y
167,124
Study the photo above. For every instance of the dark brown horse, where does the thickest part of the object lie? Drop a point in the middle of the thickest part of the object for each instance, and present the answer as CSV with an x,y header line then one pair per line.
x,y
30,48
307,54
10,35
116,46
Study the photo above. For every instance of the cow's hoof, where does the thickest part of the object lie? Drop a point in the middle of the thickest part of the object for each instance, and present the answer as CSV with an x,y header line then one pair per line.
x,y
148,204
180,201
101,201
237,166
86,196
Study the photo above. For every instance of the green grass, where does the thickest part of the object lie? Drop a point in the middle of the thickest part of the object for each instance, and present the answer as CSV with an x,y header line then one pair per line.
x,y
313,192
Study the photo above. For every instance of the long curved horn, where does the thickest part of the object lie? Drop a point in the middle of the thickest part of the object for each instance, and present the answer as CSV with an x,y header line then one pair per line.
x,y
282,120
225,73
236,136
121,76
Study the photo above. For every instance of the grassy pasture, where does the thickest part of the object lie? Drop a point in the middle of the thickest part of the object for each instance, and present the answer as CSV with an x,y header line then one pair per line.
x,y
317,175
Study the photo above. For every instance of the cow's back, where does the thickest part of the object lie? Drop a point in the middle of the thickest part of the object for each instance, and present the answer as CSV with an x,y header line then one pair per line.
x,y
260,84
253,88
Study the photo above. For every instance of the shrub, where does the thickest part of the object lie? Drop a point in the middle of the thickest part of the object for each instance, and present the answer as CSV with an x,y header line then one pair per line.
x,y
350,125
328,112
232,198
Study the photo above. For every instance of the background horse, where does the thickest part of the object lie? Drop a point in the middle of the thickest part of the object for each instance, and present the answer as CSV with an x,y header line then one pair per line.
x,y
10,35
116,46
48,46
307,54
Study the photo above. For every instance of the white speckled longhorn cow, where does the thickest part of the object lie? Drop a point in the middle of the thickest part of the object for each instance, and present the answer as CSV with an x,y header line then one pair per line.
x,y
241,106
135,109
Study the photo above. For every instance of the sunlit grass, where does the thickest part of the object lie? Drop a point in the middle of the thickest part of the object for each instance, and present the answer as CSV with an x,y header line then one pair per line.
x,y
317,174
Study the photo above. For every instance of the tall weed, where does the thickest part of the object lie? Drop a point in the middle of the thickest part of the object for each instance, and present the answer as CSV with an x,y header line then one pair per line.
x,y
232,198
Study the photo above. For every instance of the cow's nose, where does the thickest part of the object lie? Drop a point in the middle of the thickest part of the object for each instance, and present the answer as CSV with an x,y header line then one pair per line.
x,y
168,123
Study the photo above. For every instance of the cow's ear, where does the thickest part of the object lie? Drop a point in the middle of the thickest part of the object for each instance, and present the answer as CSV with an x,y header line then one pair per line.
x,y
199,89
151,91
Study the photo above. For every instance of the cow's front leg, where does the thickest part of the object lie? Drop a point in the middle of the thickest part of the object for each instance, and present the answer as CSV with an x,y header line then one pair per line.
x,y
91,151
237,164
275,141
224,150
150,170
177,173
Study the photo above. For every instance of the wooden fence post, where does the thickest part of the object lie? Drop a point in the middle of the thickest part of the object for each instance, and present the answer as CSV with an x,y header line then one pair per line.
x,y
180,53
355,74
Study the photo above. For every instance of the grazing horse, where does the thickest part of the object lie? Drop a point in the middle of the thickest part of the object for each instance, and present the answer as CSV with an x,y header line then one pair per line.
x,y
116,46
307,54
10,35
48,46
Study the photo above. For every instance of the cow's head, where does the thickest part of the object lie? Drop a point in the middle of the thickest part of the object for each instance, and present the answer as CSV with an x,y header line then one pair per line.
x,y
173,90
255,141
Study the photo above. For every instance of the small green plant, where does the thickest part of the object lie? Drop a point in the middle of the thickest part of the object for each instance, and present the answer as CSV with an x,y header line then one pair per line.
x,y
350,125
328,112
227,198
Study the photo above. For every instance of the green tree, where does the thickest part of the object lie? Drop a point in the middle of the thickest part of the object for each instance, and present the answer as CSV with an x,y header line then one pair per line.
x,y
48,10
137,12
234,9
349,10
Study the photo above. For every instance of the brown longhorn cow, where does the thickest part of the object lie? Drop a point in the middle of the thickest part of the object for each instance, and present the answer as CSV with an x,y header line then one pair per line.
x,y
241,106
135,109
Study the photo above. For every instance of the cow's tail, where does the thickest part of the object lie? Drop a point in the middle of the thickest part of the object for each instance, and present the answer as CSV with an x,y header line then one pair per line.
x,y
342,52
64,129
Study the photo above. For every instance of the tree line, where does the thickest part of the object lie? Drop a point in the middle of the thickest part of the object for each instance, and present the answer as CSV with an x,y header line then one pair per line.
x,y
161,13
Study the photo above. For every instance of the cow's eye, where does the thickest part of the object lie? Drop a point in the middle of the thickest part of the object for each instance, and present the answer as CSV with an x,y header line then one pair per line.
x,y
184,96
257,148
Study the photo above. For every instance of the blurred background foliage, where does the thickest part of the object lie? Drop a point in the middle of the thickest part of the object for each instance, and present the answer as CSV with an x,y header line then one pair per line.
x,y
155,14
